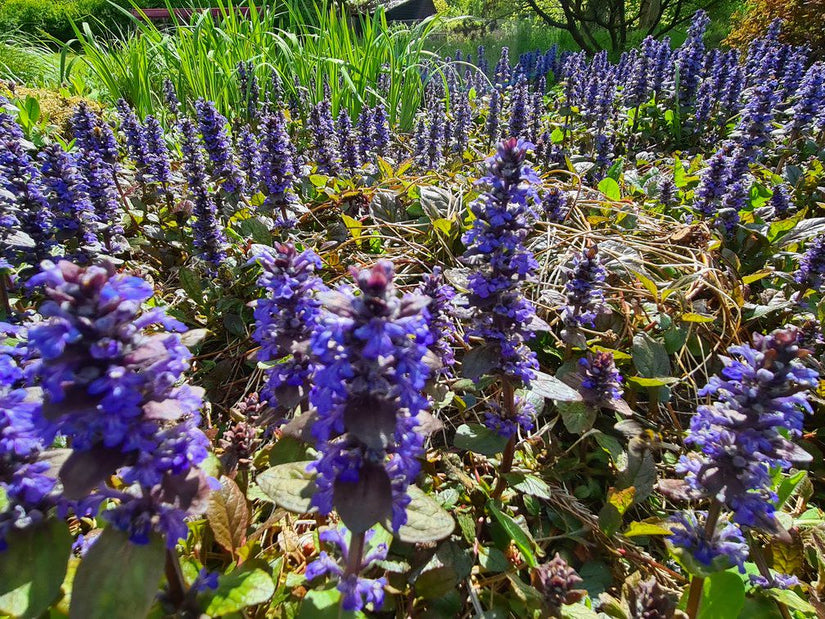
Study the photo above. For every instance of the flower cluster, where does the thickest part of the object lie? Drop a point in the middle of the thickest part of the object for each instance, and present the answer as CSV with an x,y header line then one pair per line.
x,y
500,262
556,581
759,405
212,126
286,319
721,548
811,271
356,591
277,168
111,388
601,381
649,600
370,352
209,237
23,205
24,478
584,290
441,317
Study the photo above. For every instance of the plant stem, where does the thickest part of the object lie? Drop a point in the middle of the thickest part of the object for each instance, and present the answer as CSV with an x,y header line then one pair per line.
x,y
356,554
5,306
174,578
508,409
696,583
762,564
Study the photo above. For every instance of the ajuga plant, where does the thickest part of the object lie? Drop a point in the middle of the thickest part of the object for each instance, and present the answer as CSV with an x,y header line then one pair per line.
x,y
277,169
209,238
25,478
372,362
216,141
285,320
441,312
110,386
24,209
759,402
556,582
500,264
584,290
600,380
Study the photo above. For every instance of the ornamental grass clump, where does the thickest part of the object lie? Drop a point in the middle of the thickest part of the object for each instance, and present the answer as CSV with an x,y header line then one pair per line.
x,y
111,387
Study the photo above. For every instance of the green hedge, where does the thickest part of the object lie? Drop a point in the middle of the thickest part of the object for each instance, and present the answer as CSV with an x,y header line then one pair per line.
x,y
53,17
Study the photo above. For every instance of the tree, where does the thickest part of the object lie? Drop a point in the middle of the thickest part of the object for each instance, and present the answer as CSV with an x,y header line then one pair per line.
x,y
584,19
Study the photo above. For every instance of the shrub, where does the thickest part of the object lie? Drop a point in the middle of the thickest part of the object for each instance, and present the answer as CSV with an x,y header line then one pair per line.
x,y
54,19
803,23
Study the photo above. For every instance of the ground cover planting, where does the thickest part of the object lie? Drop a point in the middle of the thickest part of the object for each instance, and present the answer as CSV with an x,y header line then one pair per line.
x,y
345,327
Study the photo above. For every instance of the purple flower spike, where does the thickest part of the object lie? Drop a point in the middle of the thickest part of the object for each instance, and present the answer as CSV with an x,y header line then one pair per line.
x,y
111,387
442,324
726,547
811,271
371,355
23,477
208,231
286,319
500,262
759,403
584,290
356,592
601,381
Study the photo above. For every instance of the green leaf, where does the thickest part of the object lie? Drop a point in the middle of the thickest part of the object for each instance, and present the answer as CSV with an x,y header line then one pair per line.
x,y
191,284
610,188
238,590
803,230
659,381
723,595
32,569
596,577
228,515
791,599
443,225
491,559
479,439
529,484
557,136
515,532
353,225
435,202
552,388
636,529
610,444
234,324
117,579
650,357
289,485
788,486
427,521
694,317
578,417
258,230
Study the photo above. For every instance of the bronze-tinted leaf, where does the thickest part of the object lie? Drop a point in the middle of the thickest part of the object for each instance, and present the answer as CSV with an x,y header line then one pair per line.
x,y
364,502
228,515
